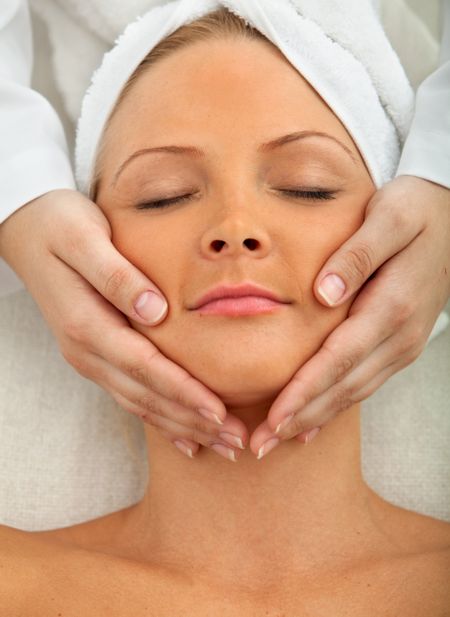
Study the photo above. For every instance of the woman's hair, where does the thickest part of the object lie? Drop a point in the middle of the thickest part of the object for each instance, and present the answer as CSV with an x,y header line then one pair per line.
x,y
218,24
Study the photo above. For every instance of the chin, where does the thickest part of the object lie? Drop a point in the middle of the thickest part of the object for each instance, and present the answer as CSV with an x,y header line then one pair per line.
x,y
241,366
244,379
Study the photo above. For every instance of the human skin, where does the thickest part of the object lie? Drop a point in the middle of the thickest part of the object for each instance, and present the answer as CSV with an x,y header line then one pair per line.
x,y
238,195
79,285
298,532
229,521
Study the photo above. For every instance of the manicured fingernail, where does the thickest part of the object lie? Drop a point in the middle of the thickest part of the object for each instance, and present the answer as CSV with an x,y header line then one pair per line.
x,y
284,423
233,440
228,453
150,306
267,447
210,415
311,434
332,288
183,447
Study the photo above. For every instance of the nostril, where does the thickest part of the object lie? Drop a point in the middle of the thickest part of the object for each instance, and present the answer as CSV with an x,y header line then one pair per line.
x,y
251,244
217,245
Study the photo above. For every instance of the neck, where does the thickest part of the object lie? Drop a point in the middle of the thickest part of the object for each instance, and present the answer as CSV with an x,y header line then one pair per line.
x,y
296,507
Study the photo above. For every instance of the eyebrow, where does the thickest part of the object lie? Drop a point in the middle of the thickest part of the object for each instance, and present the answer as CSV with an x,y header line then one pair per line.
x,y
197,153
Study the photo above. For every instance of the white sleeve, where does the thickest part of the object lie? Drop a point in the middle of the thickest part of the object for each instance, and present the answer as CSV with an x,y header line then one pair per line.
x,y
426,153
33,150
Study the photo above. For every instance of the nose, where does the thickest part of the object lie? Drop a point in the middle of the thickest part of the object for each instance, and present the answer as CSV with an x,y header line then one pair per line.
x,y
235,236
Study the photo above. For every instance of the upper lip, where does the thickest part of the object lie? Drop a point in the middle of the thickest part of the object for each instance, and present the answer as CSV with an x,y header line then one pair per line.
x,y
236,291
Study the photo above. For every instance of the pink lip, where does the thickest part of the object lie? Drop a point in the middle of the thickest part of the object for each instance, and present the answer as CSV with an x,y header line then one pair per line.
x,y
247,305
245,299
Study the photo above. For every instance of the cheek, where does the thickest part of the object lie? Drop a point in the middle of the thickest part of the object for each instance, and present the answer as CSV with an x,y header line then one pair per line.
x,y
243,360
157,250
314,236
246,361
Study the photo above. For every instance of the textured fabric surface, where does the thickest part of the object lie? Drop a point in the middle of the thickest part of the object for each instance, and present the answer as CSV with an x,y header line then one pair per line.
x,y
69,454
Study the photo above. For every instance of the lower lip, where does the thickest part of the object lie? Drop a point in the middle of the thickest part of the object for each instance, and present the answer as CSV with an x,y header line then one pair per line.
x,y
246,305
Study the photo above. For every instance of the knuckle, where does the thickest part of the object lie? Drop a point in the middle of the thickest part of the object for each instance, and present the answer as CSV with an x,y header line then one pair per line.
x,y
139,373
199,437
75,361
359,262
342,399
206,440
178,394
414,355
341,364
401,311
74,239
75,329
296,425
411,342
115,282
149,404
131,408
399,218
414,352
69,356
148,417
201,426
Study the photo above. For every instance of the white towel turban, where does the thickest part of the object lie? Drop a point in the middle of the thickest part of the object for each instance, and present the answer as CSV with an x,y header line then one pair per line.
x,y
338,46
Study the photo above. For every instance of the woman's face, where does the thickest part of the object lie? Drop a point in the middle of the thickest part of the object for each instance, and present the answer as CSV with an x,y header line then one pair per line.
x,y
226,103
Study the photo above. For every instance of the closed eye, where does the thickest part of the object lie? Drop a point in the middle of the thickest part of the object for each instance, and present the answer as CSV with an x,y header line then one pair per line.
x,y
163,203
313,194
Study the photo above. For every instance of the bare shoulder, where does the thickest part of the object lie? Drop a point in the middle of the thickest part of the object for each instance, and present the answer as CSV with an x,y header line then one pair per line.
x,y
421,551
427,568
16,546
52,572
19,545
39,573
19,569
410,532
425,534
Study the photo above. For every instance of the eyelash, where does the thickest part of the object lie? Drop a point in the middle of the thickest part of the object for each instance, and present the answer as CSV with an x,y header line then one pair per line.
x,y
314,195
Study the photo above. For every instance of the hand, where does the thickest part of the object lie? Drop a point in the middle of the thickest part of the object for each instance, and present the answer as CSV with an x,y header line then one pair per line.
x,y
60,245
405,238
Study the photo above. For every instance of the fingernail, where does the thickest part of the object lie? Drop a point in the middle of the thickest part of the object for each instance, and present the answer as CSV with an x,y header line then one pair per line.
x,y
183,447
267,447
284,423
150,306
332,288
210,415
228,453
233,440
311,434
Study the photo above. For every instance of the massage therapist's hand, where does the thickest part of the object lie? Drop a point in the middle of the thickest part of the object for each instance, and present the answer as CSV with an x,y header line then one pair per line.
x,y
60,245
405,238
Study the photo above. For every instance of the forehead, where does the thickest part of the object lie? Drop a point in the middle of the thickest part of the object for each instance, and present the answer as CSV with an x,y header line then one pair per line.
x,y
231,87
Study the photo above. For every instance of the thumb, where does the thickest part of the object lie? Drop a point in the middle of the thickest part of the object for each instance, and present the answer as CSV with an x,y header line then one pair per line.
x,y
95,258
386,230
124,285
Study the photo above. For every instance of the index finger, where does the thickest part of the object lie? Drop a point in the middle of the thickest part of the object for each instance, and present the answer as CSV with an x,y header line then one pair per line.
x,y
137,357
386,230
344,349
